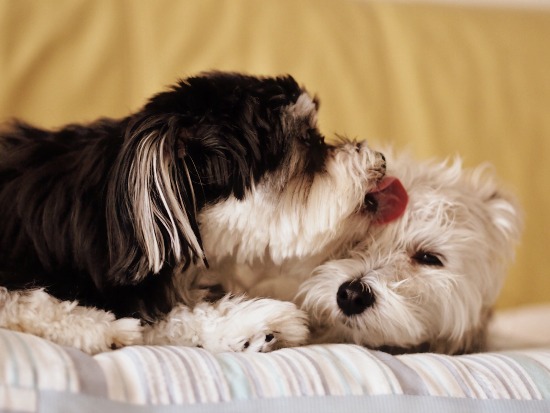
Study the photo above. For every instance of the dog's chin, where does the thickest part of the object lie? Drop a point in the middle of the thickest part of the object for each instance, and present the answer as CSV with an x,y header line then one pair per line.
x,y
366,330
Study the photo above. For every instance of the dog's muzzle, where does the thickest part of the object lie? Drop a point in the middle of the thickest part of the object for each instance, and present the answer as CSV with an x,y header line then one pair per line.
x,y
354,297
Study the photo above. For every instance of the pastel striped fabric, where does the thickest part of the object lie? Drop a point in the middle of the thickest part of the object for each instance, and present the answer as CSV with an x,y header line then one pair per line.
x,y
32,369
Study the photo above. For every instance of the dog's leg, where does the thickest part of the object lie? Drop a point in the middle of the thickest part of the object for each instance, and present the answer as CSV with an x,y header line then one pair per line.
x,y
65,322
232,324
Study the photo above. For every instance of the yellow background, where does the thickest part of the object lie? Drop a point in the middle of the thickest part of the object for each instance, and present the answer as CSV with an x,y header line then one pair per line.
x,y
439,79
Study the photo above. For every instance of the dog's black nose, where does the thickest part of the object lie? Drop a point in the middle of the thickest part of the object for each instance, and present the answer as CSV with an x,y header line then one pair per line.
x,y
353,297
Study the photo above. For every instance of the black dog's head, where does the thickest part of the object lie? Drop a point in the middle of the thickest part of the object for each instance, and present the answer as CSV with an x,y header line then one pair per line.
x,y
207,138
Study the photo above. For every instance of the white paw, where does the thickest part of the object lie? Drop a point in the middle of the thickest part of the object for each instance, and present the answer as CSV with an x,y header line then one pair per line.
x,y
94,331
65,322
232,324
125,332
258,325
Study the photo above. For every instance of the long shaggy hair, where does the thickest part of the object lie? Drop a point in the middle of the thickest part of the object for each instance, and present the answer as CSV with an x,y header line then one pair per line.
x,y
112,213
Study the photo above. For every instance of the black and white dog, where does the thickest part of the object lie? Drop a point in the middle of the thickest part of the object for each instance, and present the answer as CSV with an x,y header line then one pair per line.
x,y
118,218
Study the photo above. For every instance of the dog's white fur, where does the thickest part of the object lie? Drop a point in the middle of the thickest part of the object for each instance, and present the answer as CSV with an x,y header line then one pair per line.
x,y
294,224
65,322
232,324
460,216
290,242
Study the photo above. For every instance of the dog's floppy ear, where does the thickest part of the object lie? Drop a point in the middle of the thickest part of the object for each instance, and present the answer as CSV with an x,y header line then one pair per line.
x,y
507,218
151,208
503,211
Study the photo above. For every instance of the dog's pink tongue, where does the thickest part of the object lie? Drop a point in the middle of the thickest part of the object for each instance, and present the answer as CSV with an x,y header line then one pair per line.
x,y
392,199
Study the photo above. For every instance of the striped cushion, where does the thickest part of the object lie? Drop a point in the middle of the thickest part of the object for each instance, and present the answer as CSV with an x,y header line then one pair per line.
x,y
36,375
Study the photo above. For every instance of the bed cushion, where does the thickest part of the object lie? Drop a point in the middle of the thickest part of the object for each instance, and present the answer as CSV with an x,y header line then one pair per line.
x,y
36,375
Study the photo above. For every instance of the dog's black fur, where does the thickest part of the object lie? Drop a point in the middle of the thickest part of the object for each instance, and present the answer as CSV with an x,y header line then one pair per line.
x,y
67,217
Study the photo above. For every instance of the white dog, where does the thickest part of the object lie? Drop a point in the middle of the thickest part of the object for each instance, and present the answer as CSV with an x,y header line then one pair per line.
x,y
424,282
428,280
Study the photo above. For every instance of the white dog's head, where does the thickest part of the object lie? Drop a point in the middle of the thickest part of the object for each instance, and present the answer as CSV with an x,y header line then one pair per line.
x,y
428,280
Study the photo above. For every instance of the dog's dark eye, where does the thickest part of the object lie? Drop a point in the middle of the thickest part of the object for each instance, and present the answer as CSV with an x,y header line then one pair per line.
x,y
370,203
427,258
